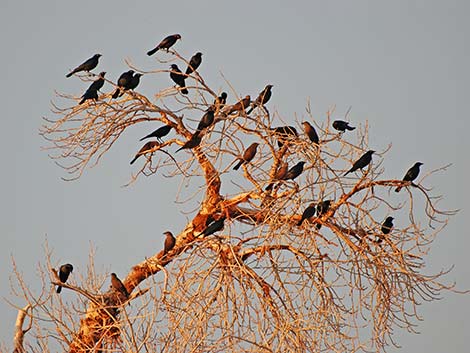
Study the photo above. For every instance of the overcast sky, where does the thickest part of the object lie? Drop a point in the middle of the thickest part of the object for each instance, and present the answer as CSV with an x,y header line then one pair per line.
x,y
402,65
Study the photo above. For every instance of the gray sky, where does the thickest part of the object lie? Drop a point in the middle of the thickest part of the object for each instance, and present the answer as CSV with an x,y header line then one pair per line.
x,y
401,65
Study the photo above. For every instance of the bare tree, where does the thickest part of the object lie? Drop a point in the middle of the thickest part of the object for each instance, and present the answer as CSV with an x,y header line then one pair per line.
x,y
335,282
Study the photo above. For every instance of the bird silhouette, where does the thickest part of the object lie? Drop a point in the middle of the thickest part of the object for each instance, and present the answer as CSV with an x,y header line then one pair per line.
x,y
411,174
166,44
178,77
159,133
194,63
248,155
88,65
64,272
170,242
362,162
308,213
342,126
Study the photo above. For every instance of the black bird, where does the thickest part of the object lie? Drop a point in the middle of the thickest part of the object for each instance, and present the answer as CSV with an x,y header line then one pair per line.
x,y
240,106
170,242
308,213
159,133
194,141
262,99
98,83
166,43
311,132
362,162
123,82
411,174
177,76
214,227
221,100
295,171
206,120
387,225
219,103
148,147
64,272
118,286
284,133
342,126
135,80
194,63
280,173
248,155
88,65
322,208
89,94
92,91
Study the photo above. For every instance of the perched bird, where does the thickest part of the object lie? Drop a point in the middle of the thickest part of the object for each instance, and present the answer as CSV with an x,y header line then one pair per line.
x,y
248,155
89,94
262,99
135,80
342,126
170,242
240,106
206,120
284,133
98,83
219,103
214,227
148,147
362,162
159,133
308,213
194,63
411,174
194,141
387,225
322,208
311,132
221,100
88,65
118,286
295,171
64,272
280,173
92,91
166,44
177,76
123,82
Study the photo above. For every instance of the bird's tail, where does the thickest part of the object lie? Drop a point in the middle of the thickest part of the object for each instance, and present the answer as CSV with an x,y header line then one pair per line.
x,y
116,93
145,137
239,164
299,223
59,289
71,73
398,189
269,187
135,158
250,110
184,91
83,100
179,149
350,128
349,171
153,51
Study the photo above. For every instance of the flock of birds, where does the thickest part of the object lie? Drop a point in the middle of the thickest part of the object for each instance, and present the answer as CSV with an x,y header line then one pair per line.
x,y
129,80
